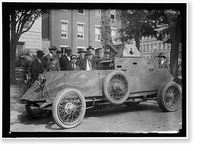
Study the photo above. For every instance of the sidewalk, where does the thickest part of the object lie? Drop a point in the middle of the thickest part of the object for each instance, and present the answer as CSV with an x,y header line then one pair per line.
x,y
17,109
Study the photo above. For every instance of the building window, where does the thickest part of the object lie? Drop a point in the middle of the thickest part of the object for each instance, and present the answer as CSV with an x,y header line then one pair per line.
x,y
64,29
147,47
65,10
81,30
63,46
81,11
113,14
113,34
97,33
98,13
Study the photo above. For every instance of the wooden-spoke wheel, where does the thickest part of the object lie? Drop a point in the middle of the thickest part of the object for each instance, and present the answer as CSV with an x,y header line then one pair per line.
x,y
116,88
169,96
69,108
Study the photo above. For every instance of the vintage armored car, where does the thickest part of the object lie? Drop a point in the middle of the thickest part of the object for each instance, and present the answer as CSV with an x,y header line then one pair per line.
x,y
123,80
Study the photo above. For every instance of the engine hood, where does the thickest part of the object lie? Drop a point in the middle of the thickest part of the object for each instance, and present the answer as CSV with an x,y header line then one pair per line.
x,y
88,82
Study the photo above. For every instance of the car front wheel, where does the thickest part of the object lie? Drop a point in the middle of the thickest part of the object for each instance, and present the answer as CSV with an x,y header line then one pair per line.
x,y
69,108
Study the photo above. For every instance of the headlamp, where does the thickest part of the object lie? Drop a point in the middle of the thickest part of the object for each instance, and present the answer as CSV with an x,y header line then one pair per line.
x,y
27,79
41,80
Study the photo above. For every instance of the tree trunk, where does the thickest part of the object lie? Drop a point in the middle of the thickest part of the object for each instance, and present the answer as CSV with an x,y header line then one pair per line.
x,y
12,62
174,59
176,39
137,40
13,46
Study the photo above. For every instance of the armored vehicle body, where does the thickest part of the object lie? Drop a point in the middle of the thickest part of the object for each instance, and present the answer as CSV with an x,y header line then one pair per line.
x,y
121,80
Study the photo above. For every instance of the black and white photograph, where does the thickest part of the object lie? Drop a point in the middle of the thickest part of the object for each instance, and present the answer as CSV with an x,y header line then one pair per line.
x,y
103,70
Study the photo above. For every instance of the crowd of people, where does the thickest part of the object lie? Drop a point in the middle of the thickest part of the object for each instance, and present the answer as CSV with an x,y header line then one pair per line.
x,y
64,60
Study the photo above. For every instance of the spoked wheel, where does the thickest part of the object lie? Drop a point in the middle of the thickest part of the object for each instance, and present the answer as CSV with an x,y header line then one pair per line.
x,y
69,108
116,88
169,96
35,112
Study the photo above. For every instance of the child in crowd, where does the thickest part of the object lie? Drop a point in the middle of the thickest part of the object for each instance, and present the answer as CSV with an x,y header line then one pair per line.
x,y
53,66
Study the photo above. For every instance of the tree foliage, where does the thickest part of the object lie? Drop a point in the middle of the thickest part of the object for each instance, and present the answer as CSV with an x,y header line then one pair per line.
x,y
165,25
105,28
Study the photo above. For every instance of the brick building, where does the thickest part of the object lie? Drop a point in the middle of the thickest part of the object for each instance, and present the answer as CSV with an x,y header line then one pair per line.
x,y
76,28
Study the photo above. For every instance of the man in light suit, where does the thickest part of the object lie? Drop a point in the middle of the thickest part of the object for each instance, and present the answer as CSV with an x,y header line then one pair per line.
x,y
163,61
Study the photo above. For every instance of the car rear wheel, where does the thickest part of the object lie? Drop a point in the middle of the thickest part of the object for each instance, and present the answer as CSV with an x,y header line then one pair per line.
x,y
69,108
169,96
35,112
116,88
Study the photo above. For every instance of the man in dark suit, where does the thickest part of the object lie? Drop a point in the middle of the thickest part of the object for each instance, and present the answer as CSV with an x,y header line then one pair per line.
x,y
65,58
87,63
81,56
52,54
37,66
97,58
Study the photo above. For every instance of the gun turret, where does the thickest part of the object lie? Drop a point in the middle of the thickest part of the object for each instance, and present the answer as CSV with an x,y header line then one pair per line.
x,y
117,50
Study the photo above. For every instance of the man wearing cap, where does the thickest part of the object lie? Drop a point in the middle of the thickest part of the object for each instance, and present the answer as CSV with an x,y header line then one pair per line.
x,y
106,55
37,66
163,61
87,63
52,54
97,58
65,58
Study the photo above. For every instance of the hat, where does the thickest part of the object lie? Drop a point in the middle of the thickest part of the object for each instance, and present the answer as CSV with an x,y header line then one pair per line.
x,y
90,47
88,53
162,55
106,52
40,53
74,57
81,50
52,47
68,49
51,59
98,50
59,51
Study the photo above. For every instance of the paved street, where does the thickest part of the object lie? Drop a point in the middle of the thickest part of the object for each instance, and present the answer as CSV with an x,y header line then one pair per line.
x,y
147,117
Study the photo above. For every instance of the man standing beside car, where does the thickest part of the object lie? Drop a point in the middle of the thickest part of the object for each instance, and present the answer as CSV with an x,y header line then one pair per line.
x,y
37,66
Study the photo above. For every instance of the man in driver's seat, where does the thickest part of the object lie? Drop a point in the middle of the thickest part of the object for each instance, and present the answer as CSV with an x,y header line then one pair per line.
x,y
106,55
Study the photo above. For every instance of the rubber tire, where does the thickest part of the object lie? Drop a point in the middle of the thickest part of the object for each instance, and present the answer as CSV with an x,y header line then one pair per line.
x,y
35,116
55,106
160,96
105,86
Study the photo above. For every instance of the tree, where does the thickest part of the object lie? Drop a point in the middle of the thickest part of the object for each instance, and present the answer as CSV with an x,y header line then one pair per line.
x,y
18,18
138,23
131,24
172,20
105,28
